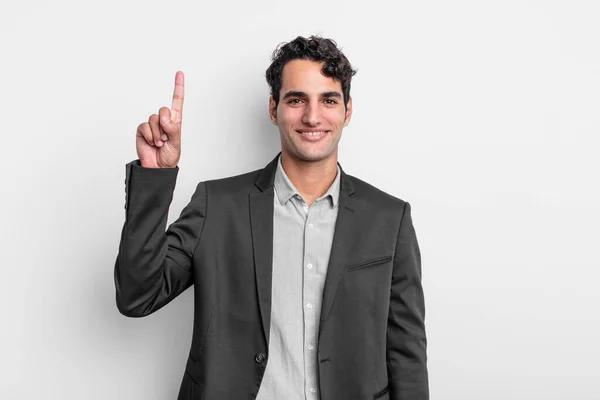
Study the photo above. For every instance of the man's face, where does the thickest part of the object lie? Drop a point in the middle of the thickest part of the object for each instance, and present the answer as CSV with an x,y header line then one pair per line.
x,y
311,113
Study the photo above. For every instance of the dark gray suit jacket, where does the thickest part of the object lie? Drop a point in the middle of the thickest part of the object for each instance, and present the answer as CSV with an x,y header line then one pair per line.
x,y
372,342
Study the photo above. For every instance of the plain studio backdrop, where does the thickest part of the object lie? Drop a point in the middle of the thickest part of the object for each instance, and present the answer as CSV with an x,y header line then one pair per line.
x,y
483,115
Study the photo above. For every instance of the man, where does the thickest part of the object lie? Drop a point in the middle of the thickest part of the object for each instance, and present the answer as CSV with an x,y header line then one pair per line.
x,y
307,281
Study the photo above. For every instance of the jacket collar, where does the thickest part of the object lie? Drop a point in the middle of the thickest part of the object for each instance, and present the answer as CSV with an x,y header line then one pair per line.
x,y
266,178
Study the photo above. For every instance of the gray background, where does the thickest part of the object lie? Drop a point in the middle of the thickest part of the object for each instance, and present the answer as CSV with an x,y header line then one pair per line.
x,y
484,115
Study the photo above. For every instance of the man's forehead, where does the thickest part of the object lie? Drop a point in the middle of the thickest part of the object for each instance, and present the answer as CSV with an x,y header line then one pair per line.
x,y
297,74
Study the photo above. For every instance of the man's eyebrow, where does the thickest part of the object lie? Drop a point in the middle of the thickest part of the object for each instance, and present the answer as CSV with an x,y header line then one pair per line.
x,y
332,94
294,93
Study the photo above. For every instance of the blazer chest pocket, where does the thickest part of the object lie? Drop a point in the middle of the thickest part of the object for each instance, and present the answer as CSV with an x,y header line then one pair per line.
x,y
369,264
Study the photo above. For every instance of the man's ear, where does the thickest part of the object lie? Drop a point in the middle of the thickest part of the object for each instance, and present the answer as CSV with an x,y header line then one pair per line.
x,y
348,112
273,110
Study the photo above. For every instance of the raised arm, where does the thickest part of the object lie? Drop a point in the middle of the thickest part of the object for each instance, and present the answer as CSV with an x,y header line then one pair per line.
x,y
154,266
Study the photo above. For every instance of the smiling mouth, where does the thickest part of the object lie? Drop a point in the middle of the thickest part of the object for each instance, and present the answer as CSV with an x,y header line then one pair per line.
x,y
312,133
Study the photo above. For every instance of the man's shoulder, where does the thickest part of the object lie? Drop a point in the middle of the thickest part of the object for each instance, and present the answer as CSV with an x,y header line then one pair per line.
x,y
366,191
234,183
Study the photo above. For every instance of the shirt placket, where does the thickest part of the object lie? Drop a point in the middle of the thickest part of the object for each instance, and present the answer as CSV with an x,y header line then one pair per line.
x,y
311,302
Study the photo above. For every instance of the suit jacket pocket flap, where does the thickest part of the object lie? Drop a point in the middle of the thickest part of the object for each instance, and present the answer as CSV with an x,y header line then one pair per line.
x,y
370,263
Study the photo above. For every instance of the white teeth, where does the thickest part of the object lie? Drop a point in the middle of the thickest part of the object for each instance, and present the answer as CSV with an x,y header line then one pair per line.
x,y
314,133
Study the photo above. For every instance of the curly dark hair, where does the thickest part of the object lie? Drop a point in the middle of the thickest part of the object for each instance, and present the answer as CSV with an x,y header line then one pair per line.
x,y
314,48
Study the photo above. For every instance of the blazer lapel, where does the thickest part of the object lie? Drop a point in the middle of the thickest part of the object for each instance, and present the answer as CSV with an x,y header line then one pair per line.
x,y
345,229
261,223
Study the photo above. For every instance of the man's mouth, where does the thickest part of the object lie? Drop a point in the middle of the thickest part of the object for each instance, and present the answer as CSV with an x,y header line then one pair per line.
x,y
311,135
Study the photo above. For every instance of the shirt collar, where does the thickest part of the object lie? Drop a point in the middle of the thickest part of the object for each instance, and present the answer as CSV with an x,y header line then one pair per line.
x,y
285,189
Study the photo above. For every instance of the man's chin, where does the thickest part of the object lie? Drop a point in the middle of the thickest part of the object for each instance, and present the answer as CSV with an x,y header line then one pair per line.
x,y
312,156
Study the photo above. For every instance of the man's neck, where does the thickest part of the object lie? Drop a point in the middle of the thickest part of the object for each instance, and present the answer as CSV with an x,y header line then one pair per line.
x,y
311,178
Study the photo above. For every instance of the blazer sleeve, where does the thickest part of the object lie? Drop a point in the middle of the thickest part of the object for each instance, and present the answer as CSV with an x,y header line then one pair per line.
x,y
406,339
154,266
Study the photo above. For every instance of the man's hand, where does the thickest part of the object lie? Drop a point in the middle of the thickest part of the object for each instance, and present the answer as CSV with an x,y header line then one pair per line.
x,y
158,141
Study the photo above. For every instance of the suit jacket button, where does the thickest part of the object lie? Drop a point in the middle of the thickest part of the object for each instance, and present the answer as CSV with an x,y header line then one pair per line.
x,y
260,357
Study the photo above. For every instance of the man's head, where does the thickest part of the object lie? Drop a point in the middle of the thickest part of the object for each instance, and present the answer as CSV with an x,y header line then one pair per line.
x,y
310,92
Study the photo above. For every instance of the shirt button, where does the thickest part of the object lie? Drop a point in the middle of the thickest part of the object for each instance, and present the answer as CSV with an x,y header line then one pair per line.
x,y
309,266
313,390
309,305
310,347
260,357
311,226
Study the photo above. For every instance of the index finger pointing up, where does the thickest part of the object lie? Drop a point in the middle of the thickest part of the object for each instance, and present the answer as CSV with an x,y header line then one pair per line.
x,y
177,106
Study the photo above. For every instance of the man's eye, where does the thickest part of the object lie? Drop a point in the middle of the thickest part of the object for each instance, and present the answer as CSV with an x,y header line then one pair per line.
x,y
294,101
330,101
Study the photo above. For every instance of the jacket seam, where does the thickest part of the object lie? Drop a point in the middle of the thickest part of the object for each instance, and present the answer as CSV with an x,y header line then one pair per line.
x,y
400,229
204,219
387,355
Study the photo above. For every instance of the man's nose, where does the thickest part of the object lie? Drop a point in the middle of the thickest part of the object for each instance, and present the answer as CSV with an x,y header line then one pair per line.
x,y
312,114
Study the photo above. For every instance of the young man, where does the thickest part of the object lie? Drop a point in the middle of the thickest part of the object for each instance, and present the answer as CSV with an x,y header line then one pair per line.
x,y
307,281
